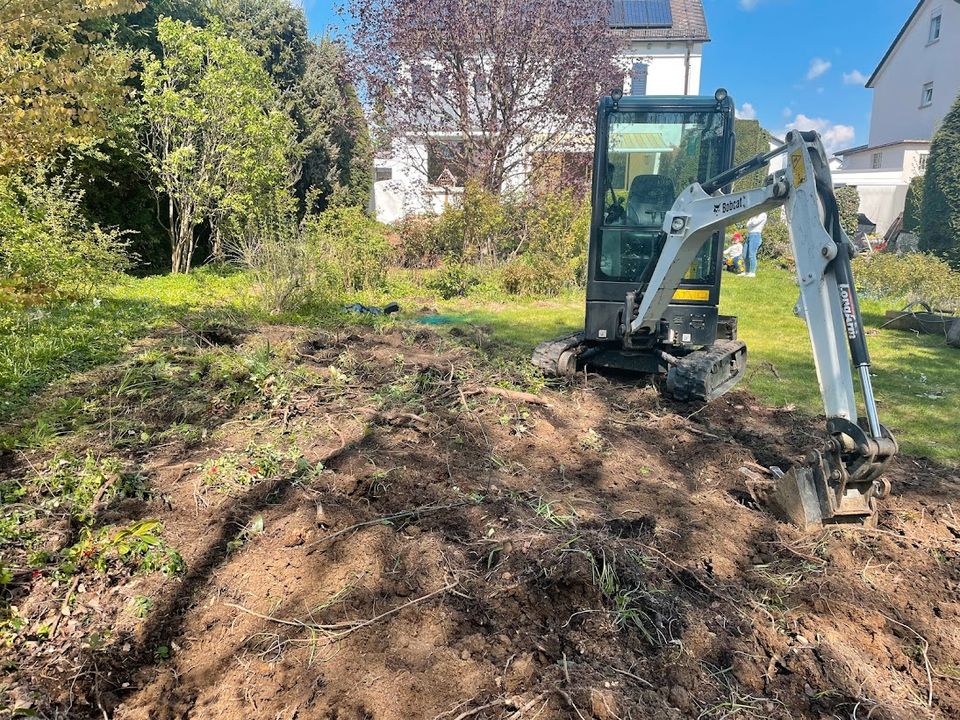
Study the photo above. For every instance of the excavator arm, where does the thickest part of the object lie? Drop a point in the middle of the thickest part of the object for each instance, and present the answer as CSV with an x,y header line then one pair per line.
x,y
840,481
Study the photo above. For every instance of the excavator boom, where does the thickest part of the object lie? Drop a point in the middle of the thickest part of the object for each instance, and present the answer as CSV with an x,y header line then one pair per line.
x,y
839,482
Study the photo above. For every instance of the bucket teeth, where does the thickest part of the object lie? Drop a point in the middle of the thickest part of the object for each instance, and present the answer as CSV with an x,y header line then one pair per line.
x,y
793,497
804,497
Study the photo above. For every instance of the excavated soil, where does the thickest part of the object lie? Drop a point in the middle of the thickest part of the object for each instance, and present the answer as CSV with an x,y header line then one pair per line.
x,y
429,548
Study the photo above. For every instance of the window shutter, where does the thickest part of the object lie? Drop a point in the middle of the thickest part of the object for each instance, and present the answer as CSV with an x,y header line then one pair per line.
x,y
638,79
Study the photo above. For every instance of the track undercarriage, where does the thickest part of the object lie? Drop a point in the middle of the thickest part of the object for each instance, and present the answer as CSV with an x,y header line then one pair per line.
x,y
701,375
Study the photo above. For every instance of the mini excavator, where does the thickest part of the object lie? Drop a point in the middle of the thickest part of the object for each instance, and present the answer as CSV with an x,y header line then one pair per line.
x,y
661,198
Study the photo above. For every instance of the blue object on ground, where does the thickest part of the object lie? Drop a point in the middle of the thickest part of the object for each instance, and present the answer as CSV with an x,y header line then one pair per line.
x,y
370,310
439,319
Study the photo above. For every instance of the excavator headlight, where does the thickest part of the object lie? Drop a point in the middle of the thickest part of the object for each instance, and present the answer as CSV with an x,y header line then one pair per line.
x,y
678,224
720,95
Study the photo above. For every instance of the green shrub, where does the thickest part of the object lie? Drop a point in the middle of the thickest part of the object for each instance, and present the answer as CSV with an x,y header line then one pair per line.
x,y
752,140
491,225
347,243
484,229
848,203
558,228
913,205
915,277
424,240
776,237
271,246
48,247
535,275
940,212
453,280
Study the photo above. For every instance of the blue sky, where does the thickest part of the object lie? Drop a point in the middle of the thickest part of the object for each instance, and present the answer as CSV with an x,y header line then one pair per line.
x,y
789,63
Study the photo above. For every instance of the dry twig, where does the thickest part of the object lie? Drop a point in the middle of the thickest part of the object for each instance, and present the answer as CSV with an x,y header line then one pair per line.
x,y
515,395
338,631
416,512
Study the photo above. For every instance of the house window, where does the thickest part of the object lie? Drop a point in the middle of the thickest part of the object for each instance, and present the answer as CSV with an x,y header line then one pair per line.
x,y
383,174
926,98
444,161
638,79
922,162
935,27
877,161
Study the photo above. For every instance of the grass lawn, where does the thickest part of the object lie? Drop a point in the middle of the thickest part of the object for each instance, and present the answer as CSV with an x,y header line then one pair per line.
x,y
916,378
44,344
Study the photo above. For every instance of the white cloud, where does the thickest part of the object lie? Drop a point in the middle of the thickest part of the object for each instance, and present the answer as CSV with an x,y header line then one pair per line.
x,y
835,136
854,78
818,66
749,4
747,112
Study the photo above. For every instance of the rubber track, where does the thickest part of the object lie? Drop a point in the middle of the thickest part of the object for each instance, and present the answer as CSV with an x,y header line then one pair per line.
x,y
693,378
547,354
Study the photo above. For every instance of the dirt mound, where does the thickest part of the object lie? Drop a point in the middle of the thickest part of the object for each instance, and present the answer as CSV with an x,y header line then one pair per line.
x,y
369,530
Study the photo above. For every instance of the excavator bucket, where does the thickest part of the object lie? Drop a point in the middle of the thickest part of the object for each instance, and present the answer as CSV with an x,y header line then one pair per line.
x,y
793,497
805,497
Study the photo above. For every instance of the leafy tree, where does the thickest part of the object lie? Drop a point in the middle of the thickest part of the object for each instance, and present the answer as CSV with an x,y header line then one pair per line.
x,y
317,90
58,77
508,79
338,153
913,205
138,30
216,137
118,191
315,81
273,30
940,213
848,204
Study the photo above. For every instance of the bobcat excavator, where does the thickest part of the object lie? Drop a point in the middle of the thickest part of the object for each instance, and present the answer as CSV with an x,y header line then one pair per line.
x,y
661,199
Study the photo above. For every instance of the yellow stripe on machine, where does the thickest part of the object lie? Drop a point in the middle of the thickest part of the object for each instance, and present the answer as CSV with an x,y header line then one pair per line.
x,y
799,169
687,294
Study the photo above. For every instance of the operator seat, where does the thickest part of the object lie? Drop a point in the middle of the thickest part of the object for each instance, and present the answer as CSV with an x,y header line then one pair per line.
x,y
650,197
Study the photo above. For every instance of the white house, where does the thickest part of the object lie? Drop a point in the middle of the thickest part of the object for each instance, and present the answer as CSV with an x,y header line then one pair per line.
x,y
662,54
914,86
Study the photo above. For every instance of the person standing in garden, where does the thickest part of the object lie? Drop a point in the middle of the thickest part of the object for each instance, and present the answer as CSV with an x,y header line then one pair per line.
x,y
755,227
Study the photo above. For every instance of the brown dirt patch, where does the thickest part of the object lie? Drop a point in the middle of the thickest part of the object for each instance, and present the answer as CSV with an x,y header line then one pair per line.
x,y
425,552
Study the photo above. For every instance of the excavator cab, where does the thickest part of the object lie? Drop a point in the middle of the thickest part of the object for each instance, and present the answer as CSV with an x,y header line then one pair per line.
x,y
647,150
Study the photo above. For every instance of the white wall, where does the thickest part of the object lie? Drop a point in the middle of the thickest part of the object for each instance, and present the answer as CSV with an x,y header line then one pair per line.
x,y
882,191
669,65
902,157
672,66
407,192
897,114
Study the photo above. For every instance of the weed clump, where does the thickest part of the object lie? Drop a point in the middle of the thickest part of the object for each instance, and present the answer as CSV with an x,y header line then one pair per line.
x,y
234,472
136,547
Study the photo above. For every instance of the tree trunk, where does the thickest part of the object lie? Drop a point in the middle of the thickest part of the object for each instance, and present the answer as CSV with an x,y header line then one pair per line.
x,y
216,241
181,237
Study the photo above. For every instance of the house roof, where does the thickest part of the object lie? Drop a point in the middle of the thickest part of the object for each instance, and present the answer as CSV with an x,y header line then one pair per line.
x,y
687,22
849,151
861,148
896,40
893,45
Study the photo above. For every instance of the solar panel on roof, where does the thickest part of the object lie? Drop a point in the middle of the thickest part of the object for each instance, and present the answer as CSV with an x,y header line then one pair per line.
x,y
640,14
